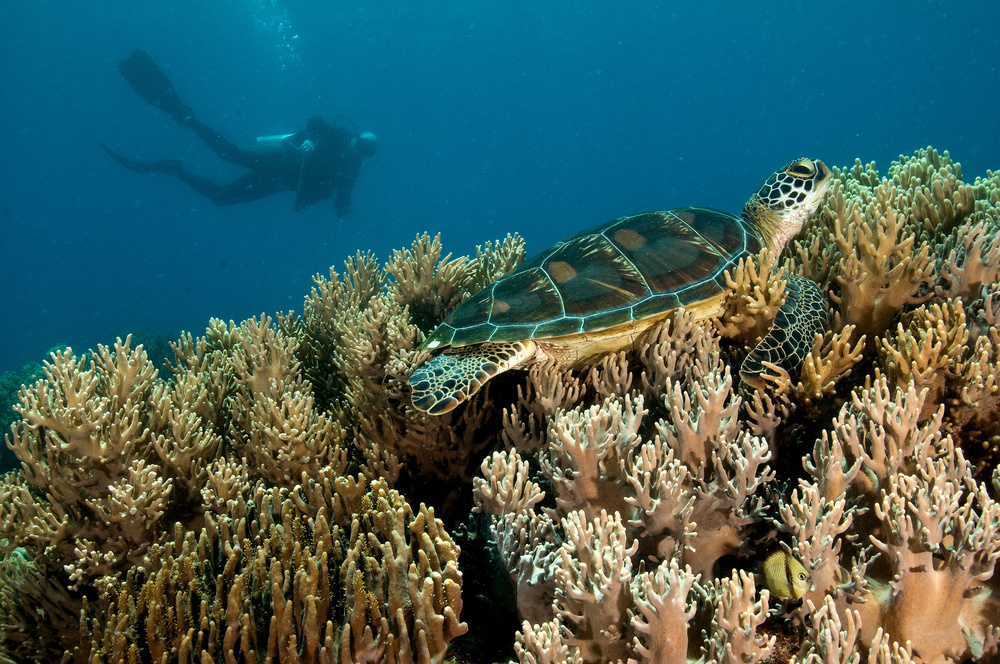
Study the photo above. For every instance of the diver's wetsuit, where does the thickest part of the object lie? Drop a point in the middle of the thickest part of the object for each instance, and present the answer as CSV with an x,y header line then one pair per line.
x,y
328,170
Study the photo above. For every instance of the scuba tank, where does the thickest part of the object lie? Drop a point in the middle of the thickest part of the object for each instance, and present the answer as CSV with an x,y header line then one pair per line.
x,y
271,143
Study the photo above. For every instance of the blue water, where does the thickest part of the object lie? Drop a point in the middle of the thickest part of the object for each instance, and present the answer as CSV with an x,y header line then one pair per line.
x,y
492,117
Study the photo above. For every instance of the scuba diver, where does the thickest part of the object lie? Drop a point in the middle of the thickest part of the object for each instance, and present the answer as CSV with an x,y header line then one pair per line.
x,y
319,162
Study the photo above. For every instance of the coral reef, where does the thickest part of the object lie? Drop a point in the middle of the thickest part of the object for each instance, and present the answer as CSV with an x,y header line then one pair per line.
x,y
280,573
10,387
181,517
269,494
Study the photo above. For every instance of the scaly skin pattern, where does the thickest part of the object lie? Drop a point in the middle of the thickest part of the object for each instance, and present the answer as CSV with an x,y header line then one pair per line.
x,y
596,291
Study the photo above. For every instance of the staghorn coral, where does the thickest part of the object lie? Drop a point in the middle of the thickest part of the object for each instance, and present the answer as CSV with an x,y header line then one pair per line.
x,y
274,424
907,373
117,463
684,496
734,639
936,528
361,333
89,499
252,499
336,570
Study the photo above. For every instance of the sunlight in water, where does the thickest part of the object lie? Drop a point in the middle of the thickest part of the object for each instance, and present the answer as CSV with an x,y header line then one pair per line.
x,y
276,27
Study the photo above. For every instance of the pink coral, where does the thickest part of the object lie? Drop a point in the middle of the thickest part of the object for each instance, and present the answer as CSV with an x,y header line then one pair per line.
x,y
272,493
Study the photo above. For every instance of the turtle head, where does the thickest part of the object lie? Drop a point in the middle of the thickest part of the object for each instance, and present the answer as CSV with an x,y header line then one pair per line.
x,y
788,198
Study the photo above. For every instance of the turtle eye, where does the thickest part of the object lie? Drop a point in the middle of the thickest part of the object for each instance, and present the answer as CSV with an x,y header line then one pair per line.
x,y
803,167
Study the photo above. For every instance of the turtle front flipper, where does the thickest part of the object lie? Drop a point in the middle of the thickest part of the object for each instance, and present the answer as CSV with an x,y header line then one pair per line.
x,y
803,314
457,373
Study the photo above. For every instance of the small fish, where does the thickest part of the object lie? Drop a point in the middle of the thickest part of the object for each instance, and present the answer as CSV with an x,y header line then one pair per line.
x,y
785,576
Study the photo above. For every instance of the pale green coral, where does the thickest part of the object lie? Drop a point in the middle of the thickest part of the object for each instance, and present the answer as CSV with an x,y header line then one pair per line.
x,y
256,498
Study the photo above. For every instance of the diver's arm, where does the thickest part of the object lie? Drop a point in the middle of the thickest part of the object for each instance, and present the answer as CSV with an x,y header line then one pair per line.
x,y
300,142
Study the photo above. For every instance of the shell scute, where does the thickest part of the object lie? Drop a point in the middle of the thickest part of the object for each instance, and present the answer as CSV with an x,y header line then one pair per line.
x,y
610,318
527,297
630,268
656,304
556,327
516,331
588,275
599,291
475,334
721,230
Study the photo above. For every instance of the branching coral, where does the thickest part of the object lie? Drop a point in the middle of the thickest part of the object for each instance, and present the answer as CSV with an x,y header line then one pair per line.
x,y
333,571
38,614
90,502
831,359
253,500
361,335
756,290
830,640
663,611
429,284
585,460
734,639
676,498
926,352
275,426
941,540
867,248
593,584
887,460
938,531
118,462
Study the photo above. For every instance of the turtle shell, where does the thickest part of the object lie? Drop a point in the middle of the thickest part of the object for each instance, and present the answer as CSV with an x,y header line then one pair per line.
x,y
627,269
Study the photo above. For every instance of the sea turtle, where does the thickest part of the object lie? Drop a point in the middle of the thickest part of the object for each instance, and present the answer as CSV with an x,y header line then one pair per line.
x,y
597,291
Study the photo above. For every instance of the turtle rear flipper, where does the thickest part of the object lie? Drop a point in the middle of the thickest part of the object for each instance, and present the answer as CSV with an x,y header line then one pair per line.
x,y
457,373
803,314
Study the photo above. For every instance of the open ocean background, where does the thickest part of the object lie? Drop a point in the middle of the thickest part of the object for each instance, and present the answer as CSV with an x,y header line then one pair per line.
x,y
493,117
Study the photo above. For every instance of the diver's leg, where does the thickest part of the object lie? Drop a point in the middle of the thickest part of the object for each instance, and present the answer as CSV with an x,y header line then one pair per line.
x,y
168,166
250,187
220,145
203,186
151,84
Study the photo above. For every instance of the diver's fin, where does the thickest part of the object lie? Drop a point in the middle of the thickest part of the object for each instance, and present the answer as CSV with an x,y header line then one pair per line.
x,y
137,166
151,84
168,166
